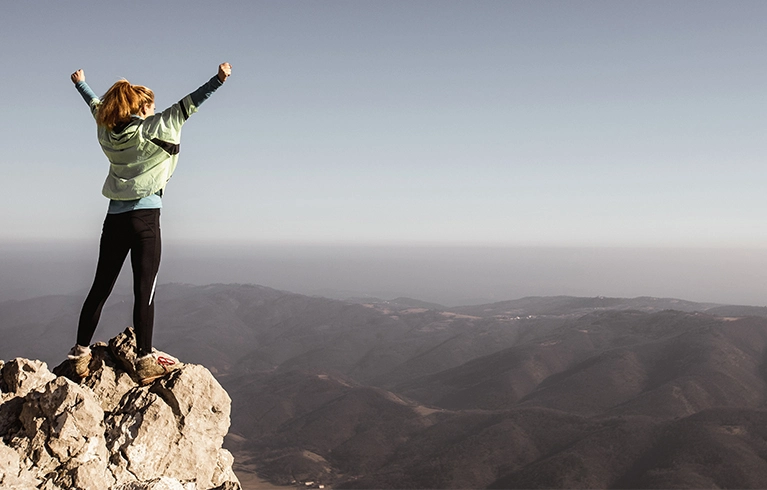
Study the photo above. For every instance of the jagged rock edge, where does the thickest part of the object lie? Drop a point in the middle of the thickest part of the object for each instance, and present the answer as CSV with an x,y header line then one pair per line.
x,y
159,391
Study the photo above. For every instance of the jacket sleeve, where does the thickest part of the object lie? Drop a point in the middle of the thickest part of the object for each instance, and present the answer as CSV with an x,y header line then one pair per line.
x,y
205,91
87,94
167,124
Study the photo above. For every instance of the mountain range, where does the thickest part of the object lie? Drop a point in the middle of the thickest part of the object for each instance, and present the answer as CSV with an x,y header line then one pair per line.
x,y
539,392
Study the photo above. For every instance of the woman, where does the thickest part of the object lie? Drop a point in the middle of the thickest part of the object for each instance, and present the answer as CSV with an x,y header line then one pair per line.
x,y
142,148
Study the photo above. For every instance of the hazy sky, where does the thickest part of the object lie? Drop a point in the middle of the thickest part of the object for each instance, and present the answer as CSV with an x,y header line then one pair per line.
x,y
473,122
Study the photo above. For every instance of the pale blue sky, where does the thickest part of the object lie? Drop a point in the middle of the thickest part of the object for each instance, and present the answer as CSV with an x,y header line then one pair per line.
x,y
566,123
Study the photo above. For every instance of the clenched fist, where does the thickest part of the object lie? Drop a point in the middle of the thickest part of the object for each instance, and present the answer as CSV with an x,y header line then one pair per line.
x,y
224,70
78,76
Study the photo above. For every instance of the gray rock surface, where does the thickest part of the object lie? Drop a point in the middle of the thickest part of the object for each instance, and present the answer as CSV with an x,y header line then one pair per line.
x,y
106,432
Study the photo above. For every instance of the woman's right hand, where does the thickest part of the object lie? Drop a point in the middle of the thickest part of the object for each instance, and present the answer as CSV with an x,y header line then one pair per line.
x,y
224,70
78,76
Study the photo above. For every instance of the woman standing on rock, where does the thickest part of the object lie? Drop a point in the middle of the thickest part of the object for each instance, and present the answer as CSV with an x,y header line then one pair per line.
x,y
142,148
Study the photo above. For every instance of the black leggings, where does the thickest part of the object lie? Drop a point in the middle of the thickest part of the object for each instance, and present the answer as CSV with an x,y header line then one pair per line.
x,y
138,232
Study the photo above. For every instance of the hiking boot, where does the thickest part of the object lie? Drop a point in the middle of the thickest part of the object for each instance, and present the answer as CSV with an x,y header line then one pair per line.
x,y
155,365
80,360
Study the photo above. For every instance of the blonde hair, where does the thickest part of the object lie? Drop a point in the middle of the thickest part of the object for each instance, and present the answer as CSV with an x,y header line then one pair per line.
x,y
120,102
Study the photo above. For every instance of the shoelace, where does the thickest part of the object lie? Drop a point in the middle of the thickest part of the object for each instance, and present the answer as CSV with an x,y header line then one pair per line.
x,y
165,362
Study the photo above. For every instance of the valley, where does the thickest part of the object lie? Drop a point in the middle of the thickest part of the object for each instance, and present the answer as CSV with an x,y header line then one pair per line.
x,y
540,392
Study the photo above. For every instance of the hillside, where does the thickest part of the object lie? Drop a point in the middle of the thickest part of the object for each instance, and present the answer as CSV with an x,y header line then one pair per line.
x,y
557,392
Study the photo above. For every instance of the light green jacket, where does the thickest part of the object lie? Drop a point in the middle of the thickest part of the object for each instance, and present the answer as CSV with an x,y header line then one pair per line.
x,y
142,155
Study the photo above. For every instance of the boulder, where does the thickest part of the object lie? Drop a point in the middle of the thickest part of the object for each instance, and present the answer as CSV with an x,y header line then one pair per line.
x,y
20,376
106,432
12,472
123,348
108,381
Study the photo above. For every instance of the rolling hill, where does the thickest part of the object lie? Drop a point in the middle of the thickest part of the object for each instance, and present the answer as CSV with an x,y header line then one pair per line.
x,y
557,392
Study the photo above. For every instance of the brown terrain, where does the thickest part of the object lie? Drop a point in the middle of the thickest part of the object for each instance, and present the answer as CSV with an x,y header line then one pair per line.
x,y
554,392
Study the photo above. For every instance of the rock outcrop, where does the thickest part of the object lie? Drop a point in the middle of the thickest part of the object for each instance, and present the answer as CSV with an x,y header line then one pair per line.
x,y
106,432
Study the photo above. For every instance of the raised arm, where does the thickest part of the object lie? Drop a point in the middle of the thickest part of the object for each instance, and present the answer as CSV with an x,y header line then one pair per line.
x,y
166,125
206,90
78,78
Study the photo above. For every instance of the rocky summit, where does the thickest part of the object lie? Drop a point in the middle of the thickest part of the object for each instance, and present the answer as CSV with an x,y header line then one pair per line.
x,y
106,432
